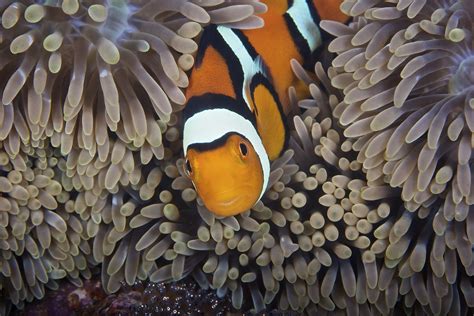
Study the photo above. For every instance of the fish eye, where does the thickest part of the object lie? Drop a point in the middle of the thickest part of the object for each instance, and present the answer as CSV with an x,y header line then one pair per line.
x,y
187,168
243,149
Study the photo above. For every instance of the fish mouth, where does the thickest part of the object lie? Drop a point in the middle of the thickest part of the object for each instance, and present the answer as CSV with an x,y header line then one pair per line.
x,y
228,202
229,206
233,198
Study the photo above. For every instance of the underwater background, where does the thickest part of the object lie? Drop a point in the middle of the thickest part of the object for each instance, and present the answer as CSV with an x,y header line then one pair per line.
x,y
369,210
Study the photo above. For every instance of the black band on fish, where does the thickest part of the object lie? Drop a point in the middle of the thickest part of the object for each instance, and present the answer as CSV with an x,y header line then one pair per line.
x,y
210,101
214,144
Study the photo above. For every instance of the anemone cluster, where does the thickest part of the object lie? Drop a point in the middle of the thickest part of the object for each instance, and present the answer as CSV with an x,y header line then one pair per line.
x,y
84,73
41,237
369,211
89,93
405,69
406,72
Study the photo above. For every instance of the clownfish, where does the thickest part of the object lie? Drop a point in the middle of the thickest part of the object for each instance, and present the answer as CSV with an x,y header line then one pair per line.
x,y
235,116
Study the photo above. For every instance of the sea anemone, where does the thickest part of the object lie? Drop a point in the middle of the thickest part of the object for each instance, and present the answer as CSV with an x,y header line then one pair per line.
x,y
107,171
49,49
118,164
59,212
410,262
90,172
138,233
41,238
70,142
406,71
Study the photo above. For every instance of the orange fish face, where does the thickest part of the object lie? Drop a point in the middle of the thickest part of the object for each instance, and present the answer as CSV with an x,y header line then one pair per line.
x,y
228,178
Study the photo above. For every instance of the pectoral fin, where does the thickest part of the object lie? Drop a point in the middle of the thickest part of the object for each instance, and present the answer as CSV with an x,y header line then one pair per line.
x,y
271,123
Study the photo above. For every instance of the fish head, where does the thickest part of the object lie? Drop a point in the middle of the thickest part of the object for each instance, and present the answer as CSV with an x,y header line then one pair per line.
x,y
227,174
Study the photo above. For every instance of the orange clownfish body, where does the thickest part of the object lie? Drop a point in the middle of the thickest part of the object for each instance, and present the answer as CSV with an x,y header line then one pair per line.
x,y
235,118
